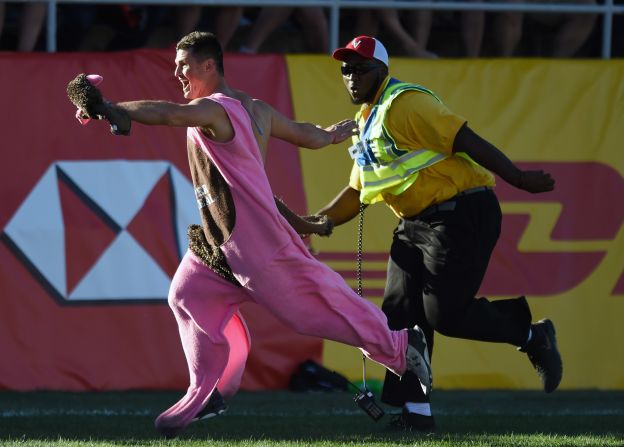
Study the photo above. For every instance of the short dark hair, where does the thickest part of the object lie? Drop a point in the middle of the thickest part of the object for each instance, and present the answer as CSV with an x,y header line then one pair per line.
x,y
204,46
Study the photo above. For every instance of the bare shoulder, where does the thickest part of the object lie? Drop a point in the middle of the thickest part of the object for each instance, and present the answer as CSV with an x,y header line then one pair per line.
x,y
253,105
242,97
211,117
261,108
207,107
204,102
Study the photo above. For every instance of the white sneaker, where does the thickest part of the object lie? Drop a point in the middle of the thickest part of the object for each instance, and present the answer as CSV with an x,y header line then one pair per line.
x,y
417,357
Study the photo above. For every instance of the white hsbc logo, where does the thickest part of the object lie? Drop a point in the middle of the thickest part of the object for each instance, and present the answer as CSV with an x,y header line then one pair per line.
x,y
117,191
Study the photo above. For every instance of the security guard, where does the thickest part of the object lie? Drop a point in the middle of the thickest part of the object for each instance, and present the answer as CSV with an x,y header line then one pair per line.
x,y
433,172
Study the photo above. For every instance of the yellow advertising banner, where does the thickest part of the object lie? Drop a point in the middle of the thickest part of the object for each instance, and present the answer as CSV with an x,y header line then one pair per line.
x,y
564,250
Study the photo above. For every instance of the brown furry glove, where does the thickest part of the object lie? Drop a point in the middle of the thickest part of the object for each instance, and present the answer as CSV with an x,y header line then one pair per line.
x,y
88,98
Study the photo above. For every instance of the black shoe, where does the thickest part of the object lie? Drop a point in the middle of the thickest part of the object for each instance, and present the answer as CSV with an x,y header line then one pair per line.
x,y
214,407
412,422
417,357
544,355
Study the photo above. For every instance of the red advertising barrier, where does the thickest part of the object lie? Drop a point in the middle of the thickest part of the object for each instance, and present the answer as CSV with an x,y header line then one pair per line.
x,y
93,227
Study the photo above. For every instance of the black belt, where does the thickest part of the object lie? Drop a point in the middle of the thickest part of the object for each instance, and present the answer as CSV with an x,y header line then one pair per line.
x,y
469,191
448,205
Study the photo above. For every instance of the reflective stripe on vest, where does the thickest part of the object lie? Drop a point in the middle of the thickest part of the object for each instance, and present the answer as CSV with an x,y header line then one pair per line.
x,y
384,166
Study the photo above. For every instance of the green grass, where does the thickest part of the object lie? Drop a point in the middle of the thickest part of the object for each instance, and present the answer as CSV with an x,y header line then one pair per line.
x,y
267,419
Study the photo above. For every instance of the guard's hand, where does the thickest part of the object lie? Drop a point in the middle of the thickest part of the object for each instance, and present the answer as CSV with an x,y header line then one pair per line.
x,y
536,181
321,225
342,130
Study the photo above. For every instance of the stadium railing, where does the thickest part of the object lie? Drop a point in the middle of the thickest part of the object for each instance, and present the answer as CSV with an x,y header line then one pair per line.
x,y
607,9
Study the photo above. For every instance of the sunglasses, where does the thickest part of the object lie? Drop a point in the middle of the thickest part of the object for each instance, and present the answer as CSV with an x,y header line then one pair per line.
x,y
358,69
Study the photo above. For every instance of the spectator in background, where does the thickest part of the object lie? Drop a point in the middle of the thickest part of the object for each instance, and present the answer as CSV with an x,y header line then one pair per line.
x,y
76,21
414,37
312,20
471,28
572,30
111,27
31,18
367,22
227,20
167,24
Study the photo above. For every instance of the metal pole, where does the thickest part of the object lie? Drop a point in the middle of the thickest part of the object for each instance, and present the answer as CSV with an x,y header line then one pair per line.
x,y
334,26
51,27
607,29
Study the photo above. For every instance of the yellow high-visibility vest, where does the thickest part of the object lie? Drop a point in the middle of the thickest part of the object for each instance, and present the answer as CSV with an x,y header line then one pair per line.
x,y
384,166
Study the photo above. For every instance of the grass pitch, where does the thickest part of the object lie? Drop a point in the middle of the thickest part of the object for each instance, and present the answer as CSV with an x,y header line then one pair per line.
x,y
267,419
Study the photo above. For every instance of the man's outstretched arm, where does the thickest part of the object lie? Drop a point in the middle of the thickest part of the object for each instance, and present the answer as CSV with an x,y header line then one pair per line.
x,y
491,158
305,224
309,135
200,112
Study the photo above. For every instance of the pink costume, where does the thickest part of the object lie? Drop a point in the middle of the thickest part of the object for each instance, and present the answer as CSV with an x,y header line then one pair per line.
x,y
269,260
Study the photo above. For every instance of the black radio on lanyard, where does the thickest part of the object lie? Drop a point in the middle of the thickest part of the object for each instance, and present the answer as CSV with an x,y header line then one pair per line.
x,y
364,398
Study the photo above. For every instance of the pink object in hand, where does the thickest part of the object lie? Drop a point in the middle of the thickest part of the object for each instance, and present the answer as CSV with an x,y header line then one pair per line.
x,y
95,79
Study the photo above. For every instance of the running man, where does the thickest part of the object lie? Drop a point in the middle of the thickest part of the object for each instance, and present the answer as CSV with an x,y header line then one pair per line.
x,y
249,252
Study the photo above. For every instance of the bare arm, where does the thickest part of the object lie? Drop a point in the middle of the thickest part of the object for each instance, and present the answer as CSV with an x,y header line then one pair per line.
x,y
202,112
488,156
305,225
308,135
344,207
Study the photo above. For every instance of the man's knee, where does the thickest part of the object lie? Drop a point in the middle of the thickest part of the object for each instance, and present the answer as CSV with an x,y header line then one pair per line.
x,y
181,286
443,323
174,296
442,319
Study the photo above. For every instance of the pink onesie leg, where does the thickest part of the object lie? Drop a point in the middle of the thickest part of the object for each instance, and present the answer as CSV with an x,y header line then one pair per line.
x,y
214,338
314,300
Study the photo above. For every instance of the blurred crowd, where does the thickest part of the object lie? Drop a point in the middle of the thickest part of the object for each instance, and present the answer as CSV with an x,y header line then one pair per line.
x,y
413,33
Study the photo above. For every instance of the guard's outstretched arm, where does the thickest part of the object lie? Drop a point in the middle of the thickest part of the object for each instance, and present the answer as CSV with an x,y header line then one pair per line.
x,y
488,156
344,207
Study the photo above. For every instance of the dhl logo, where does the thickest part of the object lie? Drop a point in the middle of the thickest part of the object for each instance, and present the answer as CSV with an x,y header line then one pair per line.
x,y
550,243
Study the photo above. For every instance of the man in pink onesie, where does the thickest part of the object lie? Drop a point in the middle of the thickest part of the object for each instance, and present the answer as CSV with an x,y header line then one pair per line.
x,y
246,250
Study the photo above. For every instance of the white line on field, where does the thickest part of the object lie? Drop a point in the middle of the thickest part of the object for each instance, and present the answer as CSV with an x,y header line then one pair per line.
x,y
106,412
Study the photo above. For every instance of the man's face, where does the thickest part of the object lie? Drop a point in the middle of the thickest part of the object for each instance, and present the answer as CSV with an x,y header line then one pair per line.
x,y
362,77
192,74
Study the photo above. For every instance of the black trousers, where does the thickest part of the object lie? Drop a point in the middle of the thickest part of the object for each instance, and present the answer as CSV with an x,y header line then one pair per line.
x,y
437,262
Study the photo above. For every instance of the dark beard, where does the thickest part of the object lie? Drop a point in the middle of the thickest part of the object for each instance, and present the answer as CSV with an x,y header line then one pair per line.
x,y
356,101
368,98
